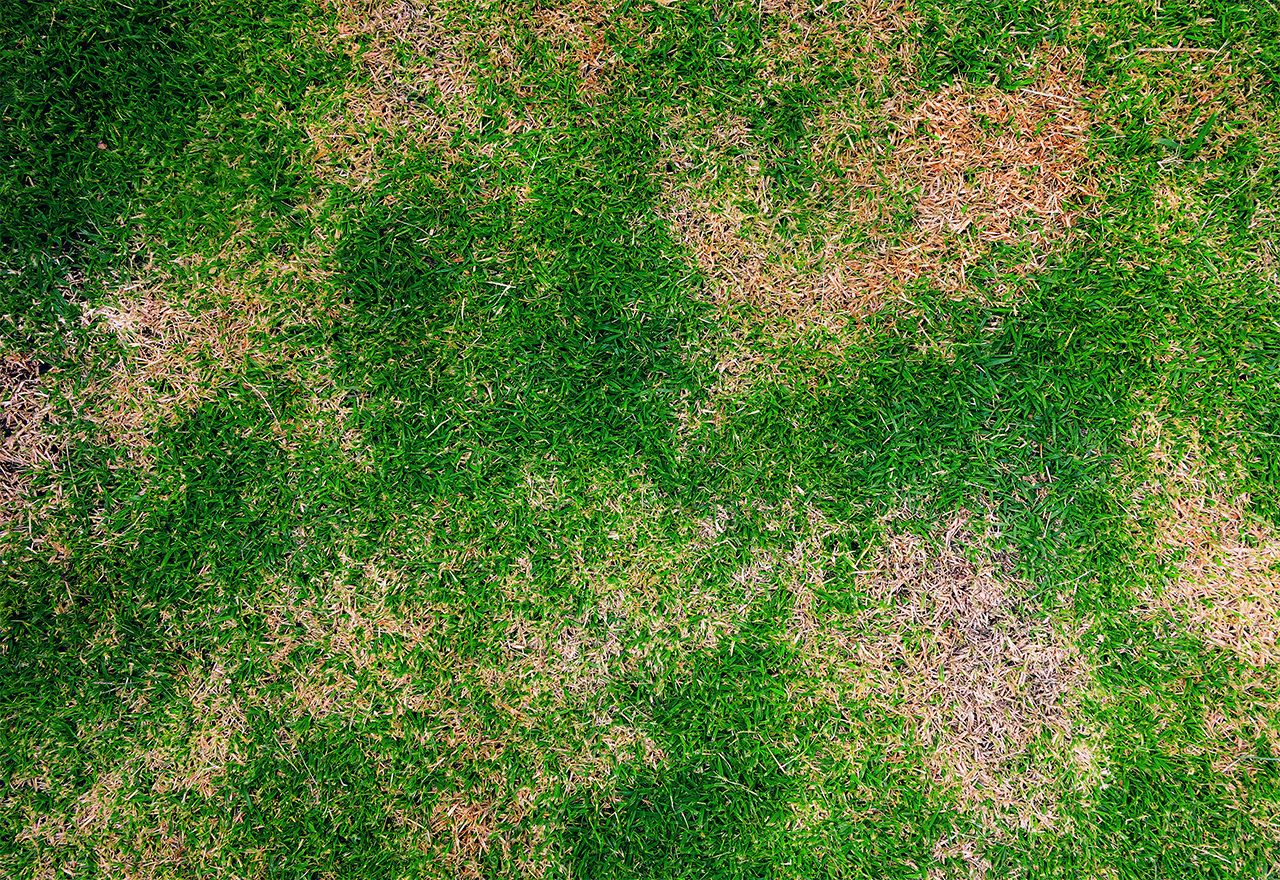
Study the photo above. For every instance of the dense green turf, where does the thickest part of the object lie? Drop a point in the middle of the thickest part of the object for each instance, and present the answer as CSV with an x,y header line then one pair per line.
x,y
518,339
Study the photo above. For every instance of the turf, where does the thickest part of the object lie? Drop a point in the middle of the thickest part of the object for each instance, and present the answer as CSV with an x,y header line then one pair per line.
x,y
639,439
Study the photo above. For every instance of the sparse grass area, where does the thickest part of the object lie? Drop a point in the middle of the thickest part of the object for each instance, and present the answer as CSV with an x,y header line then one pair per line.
x,y
639,439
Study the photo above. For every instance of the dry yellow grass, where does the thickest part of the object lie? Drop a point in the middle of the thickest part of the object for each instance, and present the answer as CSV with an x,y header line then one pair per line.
x,y
182,344
1198,92
1227,559
411,52
578,31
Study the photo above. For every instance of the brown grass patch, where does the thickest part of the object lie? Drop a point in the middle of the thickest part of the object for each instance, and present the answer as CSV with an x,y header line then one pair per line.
x,y
983,167
362,639
1229,584
579,30
25,440
982,677
1227,559
412,56
421,64
175,358
988,160
468,829
120,837
181,347
872,37
1227,588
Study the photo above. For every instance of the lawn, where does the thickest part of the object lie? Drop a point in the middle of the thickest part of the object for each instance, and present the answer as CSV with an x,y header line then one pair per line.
x,y
652,439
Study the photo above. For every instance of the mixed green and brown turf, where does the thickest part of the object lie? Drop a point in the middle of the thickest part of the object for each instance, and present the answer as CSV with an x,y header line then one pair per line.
x,y
639,439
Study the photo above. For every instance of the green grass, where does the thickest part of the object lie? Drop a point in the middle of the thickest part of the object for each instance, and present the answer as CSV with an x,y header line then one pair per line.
x,y
482,562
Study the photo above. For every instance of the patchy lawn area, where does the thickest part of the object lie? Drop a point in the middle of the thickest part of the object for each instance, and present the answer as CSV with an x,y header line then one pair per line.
x,y
639,439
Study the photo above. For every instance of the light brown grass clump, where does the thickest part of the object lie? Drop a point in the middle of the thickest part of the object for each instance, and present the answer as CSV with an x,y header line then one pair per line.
x,y
1229,584
25,441
121,838
468,826
1011,167
180,346
421,63
872,37
413,55
362,641
579,31
1227,559
984,678
1189,94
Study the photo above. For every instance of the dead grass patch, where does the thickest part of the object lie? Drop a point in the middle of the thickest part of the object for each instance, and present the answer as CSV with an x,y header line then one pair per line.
x,y
469,829
1228,560
422,63
1227,588
179,347
985,681
872,37
174,358
361,642
1229,584
417,80
26,442
580,30
946,180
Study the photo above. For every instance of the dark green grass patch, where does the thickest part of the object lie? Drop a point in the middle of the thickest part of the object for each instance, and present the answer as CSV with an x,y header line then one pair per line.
x,y
982,41
716,807
155,119
1034,394
485,334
